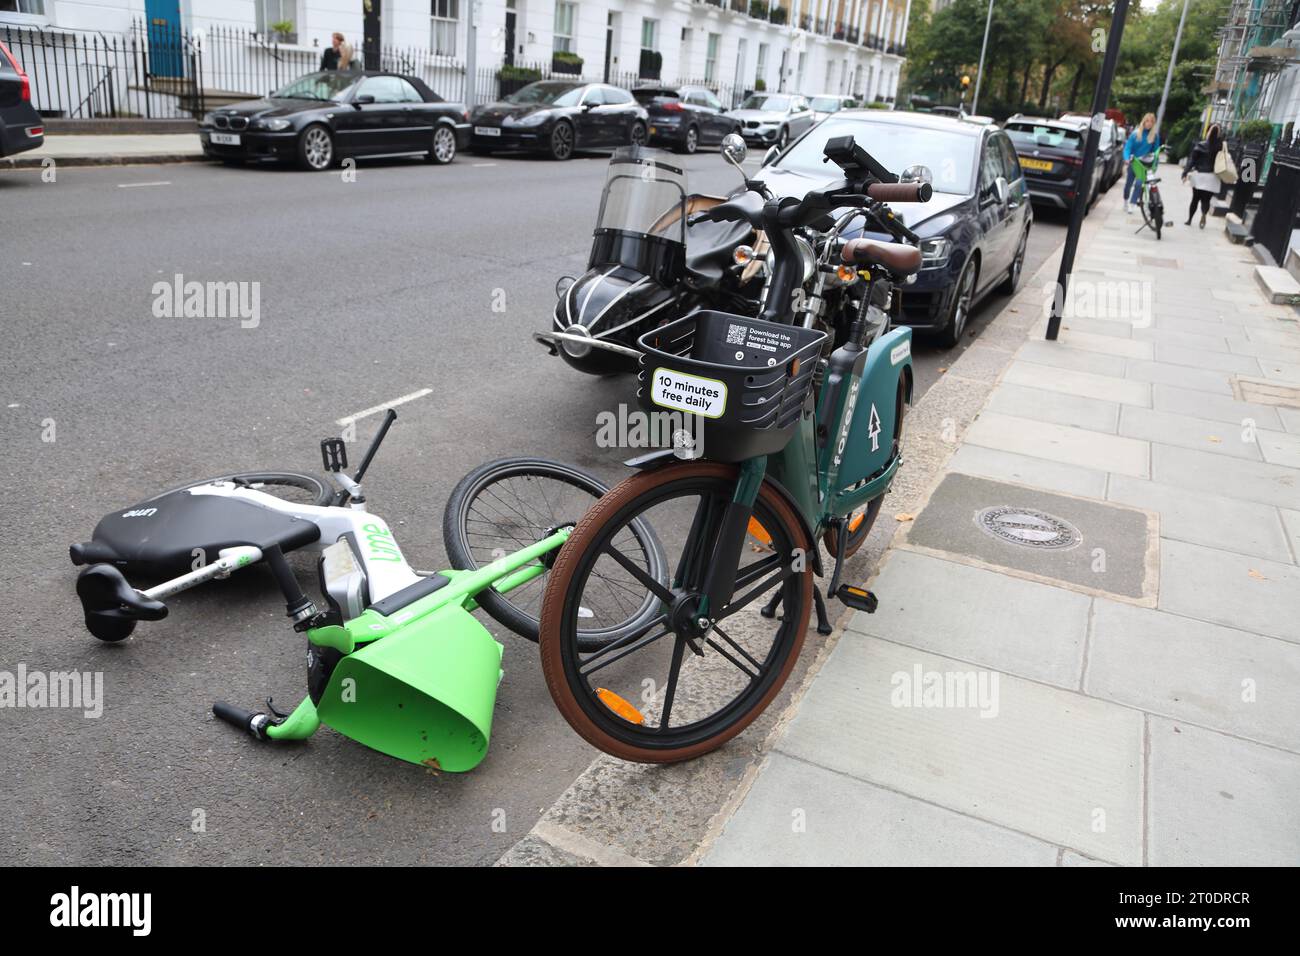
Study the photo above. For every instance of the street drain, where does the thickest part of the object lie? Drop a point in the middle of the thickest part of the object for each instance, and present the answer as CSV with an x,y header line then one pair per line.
x,y
1027,527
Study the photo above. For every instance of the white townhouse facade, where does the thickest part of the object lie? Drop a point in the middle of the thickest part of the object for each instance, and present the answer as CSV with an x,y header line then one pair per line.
x,y
851,47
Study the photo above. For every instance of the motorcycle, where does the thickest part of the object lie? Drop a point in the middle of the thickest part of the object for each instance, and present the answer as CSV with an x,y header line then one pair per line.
x,y
651,263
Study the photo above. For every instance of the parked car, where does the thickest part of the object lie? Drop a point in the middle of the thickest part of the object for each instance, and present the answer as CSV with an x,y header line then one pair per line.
x,y
21,127
828,103
974,230
323,117
773,119
685,117
559,116
1110,147
1051,154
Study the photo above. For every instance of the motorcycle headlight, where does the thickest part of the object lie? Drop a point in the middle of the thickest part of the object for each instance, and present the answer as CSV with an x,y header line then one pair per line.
x,y
935,252
534,119
274,125
808,256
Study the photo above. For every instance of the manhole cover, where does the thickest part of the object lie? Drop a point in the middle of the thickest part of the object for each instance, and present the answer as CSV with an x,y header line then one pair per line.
x,y
1027,527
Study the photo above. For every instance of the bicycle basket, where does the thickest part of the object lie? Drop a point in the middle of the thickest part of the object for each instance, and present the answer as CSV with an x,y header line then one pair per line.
x,y
742,382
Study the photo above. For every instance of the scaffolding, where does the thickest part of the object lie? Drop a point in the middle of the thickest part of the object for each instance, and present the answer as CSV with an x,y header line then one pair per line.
x,y
1258,44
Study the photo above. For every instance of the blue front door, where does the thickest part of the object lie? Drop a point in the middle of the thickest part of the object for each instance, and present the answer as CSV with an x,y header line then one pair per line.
x,y
163,18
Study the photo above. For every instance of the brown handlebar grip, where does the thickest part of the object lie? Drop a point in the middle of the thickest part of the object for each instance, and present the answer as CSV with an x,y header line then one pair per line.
x,y
900,192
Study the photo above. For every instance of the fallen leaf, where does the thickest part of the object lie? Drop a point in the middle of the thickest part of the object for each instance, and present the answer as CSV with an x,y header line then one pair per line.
x,y
1013,310
1258,576
1216,439
904,516
942,369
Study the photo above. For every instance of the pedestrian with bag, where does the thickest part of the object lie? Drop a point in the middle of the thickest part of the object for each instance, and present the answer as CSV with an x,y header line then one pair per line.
x,y
1209,165
1142,144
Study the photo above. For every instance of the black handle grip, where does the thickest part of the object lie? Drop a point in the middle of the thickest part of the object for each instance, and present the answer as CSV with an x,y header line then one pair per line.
x,y
900,192
239,717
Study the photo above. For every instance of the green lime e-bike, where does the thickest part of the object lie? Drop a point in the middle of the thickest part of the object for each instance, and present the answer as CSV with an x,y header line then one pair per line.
x,y
797,440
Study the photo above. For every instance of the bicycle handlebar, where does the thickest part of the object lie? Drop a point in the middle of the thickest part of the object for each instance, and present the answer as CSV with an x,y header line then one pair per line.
x,y
900,192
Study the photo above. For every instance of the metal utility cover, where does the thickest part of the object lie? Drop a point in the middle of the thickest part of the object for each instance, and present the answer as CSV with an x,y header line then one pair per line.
x,y
1086,545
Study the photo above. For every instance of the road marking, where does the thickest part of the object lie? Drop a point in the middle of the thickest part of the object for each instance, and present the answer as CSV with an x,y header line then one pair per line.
x,y
481,165
163,182
349,419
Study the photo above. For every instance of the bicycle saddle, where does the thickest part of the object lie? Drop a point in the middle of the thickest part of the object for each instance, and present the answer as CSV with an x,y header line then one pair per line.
x,y
897,257
112,606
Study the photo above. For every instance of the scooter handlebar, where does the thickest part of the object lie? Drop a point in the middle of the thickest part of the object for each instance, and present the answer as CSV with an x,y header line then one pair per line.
x,y
900,192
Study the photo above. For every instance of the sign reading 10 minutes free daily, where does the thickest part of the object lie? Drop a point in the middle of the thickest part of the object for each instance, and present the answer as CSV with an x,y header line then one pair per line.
x,y
706,397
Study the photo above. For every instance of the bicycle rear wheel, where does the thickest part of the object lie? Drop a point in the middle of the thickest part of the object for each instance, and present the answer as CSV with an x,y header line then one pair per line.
x,y
670,690
506,505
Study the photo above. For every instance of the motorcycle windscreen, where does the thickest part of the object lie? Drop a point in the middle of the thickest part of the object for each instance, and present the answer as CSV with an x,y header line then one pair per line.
x,y
643,196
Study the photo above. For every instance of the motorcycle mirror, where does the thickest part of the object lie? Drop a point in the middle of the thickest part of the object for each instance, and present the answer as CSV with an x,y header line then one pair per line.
x,y
734,149
770,156
917,174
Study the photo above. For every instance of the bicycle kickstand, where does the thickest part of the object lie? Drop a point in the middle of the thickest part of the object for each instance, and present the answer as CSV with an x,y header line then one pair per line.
x,y
823,619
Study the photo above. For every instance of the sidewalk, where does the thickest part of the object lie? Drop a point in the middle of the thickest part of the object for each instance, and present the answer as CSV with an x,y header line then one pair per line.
x,y
1087,650
72,149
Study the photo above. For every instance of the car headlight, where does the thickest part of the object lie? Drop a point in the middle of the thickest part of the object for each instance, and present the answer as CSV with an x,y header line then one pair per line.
x,y
935,253
207,119
274,125
533,119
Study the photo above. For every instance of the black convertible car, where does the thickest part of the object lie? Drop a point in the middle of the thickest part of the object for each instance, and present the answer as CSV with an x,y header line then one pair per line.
x,y
323,117
559,116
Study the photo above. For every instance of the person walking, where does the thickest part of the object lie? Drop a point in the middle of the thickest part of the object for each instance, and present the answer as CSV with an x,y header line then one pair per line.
x,y
1142,143
329,60
344,50
1200,167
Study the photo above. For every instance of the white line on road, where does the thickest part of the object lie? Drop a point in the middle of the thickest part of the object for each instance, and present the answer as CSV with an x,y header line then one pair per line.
x,y
163,182
349,419
481,165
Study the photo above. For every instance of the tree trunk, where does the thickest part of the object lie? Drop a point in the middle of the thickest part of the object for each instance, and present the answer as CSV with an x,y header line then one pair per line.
x,y
1049,71
1010,88
1074,87
1024,84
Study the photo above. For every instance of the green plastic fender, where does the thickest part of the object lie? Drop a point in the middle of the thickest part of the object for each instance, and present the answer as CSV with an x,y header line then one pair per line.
x,y
870,441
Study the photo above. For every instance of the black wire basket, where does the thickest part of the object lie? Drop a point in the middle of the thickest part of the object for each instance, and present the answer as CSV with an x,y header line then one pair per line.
x,y
739,383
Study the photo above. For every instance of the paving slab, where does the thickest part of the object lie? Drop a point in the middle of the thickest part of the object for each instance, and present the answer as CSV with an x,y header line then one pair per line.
x,y
1222,678
1108,327
1291,520
1210,359
1052,764
1158,336
1217,800
1073,446
1199,517
799,814
1180,375
1088,385
1236,590
1082,543
1060,355
1024,470
1281,371
1248,480
1106,343
1188,432
1219,408
1070,858
1018,626
1279,448
1290,419
1286,335
1058,407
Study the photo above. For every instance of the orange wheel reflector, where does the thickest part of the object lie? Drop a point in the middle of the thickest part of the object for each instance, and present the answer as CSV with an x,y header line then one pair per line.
x,y
619,706
759,532
846,274
856,521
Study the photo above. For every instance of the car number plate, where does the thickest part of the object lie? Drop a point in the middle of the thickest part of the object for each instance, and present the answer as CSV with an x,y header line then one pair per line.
x,y
225,139
1041,165
486,131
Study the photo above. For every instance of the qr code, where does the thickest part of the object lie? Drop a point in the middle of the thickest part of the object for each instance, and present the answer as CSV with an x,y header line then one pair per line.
x,y
736,334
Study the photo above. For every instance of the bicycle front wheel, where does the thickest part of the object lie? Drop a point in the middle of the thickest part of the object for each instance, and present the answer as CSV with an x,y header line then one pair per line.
x,y
670,690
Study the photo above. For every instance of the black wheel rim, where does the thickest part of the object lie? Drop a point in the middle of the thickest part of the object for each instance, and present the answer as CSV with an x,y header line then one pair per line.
x,y
508,511
733,665
638,135
562,141
961,307
692,141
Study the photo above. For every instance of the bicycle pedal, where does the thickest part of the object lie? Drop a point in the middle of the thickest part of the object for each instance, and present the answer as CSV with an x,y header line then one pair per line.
x,y
860,599
334,454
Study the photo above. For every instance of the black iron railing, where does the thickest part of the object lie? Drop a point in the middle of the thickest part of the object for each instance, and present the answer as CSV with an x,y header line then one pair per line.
x,y
1279,205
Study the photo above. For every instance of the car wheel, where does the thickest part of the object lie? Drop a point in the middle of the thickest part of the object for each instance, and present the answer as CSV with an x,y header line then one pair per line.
x,y
444,146
691,143
637,136
315,148
1017,266
561,145
783,139
962,300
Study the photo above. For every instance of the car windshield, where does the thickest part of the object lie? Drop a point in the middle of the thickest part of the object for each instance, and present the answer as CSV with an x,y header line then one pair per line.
x,y
1037,134
547,93
826,104
329,85
773,104
950,155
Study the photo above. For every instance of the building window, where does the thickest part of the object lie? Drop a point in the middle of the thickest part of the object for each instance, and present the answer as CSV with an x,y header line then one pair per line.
x,y
711,58
649,34
269,13
760,72
444,16
565,14
35,8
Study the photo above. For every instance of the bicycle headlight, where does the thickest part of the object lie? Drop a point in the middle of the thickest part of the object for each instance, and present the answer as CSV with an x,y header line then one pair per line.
x,y
935,252
273,125
808,256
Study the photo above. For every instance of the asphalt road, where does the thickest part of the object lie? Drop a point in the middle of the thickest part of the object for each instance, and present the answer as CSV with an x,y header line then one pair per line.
x,y
410,277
